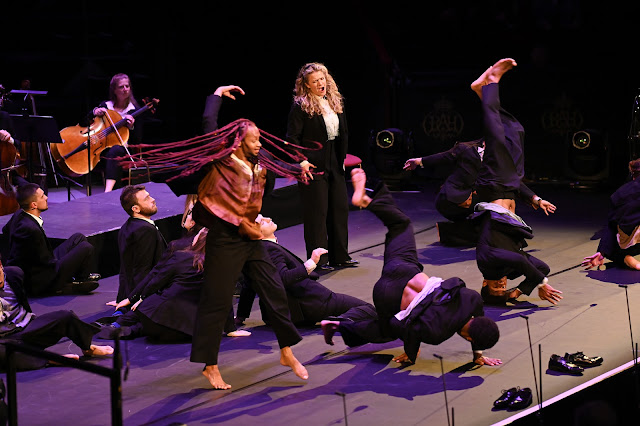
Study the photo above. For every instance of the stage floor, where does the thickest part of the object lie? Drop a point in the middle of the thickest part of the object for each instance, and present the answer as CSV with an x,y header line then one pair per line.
x,y
362,386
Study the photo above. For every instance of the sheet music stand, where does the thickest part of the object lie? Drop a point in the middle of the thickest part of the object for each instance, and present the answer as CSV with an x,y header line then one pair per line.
x,y
40,129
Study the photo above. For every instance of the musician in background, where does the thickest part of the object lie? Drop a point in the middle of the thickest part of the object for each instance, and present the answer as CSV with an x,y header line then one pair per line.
x,y
122,101
7,133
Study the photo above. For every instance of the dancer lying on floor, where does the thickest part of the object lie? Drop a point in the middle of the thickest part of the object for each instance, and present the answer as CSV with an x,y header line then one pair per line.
x,y
19,323
163,305
620,242
309,301
499,251
410,305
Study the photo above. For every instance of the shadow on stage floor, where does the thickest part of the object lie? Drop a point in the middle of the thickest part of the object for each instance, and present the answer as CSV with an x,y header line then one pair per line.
x,y
363,386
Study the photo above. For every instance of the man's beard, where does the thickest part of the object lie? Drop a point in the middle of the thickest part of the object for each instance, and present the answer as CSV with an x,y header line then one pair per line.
x,y
149,211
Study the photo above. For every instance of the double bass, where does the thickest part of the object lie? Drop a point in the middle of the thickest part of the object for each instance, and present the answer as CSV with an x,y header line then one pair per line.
x,y
8,160
104,132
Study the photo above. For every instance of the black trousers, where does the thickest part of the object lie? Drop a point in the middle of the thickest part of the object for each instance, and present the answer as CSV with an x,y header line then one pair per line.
x,y
47,329
73,260
367,325
325,212
503,161
495,263
226,256
112,167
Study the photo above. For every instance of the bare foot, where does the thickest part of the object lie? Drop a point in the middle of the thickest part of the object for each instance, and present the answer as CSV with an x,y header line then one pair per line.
x,y
499,68
239,333
289,360
476,86
212,374
95,350
360,197
631,262
72,356
329,328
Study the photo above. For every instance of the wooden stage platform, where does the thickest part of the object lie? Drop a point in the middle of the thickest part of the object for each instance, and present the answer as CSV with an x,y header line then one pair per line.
x,y
362,386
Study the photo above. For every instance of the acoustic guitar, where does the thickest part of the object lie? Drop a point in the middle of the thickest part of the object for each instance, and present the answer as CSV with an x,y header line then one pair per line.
x,y
104,132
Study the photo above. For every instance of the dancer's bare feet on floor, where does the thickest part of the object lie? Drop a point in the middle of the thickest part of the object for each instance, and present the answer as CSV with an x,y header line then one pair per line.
x,y
329,328
95,350
499,68
289,360
359,180
212,373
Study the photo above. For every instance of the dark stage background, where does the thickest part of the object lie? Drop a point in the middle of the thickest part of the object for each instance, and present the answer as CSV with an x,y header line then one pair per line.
x,y
404,65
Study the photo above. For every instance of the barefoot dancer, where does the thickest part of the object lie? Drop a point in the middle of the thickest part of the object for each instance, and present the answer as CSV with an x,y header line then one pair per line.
x,y
499,251
410,305
227,170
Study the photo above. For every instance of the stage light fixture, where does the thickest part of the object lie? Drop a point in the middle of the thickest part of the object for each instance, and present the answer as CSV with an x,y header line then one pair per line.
x,y
588,156
581,139
386,138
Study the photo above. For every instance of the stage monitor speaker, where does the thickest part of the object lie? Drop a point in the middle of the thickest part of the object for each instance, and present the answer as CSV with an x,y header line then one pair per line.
x,y
587,156
390,149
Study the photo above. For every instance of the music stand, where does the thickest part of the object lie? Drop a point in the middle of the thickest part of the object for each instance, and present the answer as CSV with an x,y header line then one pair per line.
x,y
40,129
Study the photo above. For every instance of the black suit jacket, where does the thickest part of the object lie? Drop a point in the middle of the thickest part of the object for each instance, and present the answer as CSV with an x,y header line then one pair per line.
x,y
30,250
438,316
304,131
141,246
306,297
170,292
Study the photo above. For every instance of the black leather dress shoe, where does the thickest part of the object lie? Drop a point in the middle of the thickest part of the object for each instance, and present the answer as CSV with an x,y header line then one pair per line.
x,y
346,264
507,396
521,400
326,267
582,360
558,363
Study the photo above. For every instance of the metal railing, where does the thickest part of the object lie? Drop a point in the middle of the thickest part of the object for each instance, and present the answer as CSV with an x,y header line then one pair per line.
x,y
13,347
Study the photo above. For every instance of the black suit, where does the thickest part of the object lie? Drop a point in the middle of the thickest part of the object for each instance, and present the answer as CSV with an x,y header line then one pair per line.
x,y
46,269
309,301
500,251
435,319
141,246
624,215
41,331
462,163
325,203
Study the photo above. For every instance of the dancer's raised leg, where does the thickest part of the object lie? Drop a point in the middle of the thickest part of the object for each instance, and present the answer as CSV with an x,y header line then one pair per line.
x,y
499,68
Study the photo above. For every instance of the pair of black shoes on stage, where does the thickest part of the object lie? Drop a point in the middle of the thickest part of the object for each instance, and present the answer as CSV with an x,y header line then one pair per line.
x,y
346,264
574,363
514,399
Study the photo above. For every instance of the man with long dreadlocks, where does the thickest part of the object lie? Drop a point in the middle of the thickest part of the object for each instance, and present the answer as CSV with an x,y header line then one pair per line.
x,y
227,169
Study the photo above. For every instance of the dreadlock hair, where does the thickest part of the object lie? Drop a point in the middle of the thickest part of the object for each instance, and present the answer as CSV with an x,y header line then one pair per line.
x,y
190,155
